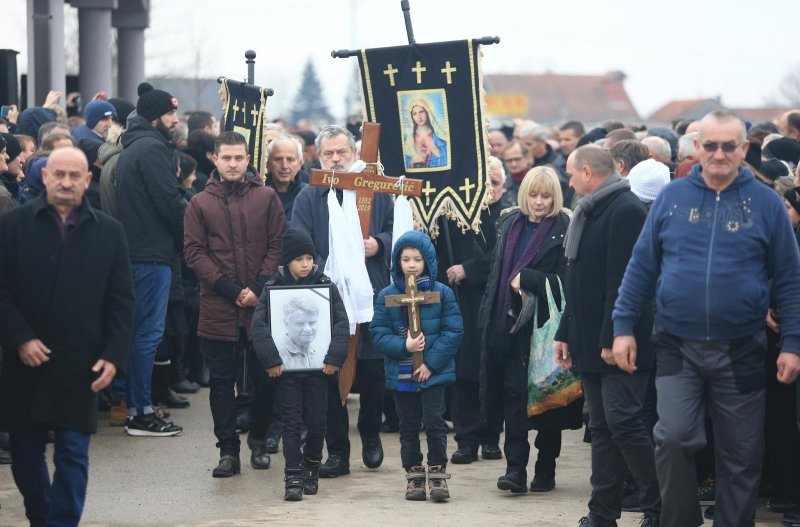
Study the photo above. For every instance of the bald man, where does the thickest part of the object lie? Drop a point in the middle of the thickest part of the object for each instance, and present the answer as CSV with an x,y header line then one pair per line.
x,y
598,245
66,324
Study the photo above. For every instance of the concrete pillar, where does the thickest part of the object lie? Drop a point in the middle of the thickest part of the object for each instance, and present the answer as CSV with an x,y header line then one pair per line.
x,y
131,18
94,46
45,49
130,62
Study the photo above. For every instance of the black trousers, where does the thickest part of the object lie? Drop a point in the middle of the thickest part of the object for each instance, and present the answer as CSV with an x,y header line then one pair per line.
x,y
224,360
619,436
470,427
414,409
507,387
304,401
371,382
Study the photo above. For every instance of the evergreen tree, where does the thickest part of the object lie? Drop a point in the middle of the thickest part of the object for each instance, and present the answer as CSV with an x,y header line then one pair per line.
x,y
309,103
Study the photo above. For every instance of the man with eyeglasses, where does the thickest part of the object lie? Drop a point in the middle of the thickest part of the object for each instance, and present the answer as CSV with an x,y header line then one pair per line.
x,y
517,161
336,147
709,247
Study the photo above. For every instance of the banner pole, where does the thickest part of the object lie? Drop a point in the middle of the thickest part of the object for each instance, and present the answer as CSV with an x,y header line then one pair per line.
x,y
404,5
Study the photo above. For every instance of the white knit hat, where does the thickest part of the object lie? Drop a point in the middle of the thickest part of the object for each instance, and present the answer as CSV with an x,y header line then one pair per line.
x,y
648,178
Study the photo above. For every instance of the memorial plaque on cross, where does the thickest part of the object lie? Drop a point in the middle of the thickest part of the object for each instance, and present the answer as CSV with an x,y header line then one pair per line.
x,y
413,299
366,184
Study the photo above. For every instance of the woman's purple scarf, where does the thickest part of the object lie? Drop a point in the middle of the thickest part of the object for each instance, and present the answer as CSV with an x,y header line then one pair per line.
x,y
512,267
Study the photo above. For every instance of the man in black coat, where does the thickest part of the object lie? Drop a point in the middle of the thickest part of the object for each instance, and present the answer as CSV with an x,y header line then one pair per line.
x,y
598,245
150,207
66,324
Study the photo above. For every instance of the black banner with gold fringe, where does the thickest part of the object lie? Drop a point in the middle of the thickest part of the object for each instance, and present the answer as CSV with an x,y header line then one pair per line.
x,y
428,99
243,111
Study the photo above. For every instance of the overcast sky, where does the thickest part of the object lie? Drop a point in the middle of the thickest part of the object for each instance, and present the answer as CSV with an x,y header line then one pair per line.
x,y
675,50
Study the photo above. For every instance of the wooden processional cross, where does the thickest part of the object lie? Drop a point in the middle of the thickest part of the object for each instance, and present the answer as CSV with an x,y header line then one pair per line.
x,y
366,184
413,299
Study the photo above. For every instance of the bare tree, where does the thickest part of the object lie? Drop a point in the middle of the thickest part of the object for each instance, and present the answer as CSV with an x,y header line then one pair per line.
x,y
790,87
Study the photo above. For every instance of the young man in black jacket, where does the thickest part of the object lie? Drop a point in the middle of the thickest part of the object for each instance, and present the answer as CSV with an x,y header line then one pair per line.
x,y
150,208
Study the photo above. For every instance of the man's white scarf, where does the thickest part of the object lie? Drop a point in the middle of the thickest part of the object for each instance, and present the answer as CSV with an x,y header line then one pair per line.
x,y
346,264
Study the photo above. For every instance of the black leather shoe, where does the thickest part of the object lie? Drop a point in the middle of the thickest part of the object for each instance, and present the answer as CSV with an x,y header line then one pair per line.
x,y
464,455
186,386
543,483
259,459
334,467
782,505
792,519
372,451
513,480
651,520
227,467
272,444
171,399
491,452
588,521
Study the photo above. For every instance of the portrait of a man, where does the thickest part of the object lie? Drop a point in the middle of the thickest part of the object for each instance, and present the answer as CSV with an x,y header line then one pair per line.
x,y
301,325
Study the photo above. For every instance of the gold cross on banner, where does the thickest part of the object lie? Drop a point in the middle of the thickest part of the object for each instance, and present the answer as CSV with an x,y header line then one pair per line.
x,y
428,190
235,108
390,71
418,69
449,70
244,112
467,187
254,113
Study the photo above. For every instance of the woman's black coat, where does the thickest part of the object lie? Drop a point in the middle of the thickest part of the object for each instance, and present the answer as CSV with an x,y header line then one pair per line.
x,y
548,264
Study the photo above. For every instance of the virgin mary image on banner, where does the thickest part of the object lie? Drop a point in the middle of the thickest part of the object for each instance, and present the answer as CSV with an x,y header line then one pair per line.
x,y
426,135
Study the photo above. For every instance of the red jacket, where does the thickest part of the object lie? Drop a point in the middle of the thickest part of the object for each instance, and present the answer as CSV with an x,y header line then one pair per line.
x,y
232,240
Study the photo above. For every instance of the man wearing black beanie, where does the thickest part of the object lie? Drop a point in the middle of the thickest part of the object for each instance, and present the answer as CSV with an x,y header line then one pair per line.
x,y
150,208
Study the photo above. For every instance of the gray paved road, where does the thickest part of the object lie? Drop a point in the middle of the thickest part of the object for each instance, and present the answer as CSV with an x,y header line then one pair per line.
x,y
167,482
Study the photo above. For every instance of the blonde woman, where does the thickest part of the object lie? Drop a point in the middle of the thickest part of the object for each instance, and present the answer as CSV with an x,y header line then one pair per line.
x,y
528,252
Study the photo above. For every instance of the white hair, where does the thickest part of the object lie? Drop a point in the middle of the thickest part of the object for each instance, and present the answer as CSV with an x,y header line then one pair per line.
x,y
658,147
496,165
539,132
686,145
285,138
769,138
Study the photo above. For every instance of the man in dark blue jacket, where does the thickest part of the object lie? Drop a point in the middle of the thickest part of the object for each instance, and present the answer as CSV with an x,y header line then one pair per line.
x,y
150,207
709,247
337,152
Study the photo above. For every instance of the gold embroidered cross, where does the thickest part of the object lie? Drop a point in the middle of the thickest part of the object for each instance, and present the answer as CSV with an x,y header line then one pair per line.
x,y
254,113
235,108
244,112
449,70
390,71
418,69
467,187
428,190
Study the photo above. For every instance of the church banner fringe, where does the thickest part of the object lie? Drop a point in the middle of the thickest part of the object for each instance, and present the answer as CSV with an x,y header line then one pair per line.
x,y
429,101
243,111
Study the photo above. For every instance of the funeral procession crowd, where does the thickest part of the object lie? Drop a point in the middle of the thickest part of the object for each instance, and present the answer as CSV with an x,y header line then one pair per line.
x,y
652,273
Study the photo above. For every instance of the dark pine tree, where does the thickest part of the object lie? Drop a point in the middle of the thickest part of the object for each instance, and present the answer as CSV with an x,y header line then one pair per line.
x,y
309,103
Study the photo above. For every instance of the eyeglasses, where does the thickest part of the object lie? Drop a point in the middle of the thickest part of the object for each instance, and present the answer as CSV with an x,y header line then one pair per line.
x,y
342,152
727,147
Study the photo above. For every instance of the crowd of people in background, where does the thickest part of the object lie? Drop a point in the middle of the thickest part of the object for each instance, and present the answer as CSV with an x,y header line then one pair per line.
x,y
207,236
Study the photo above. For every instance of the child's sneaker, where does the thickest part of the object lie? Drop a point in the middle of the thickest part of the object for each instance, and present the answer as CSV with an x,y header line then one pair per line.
x,y
437,482
415,489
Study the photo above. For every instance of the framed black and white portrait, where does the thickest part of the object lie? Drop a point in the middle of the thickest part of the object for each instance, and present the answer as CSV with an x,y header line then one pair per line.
x,y
300,318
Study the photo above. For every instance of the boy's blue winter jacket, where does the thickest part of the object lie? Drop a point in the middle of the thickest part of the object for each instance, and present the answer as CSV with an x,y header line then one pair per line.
x,y
441,323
